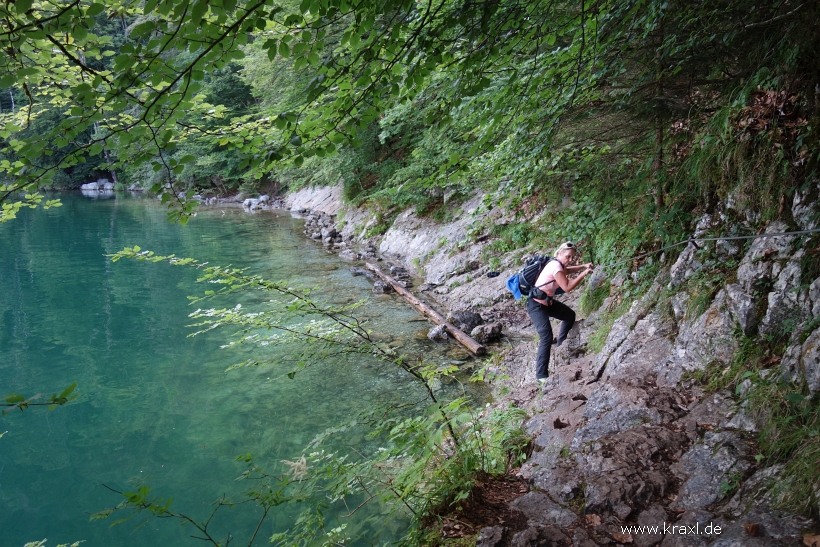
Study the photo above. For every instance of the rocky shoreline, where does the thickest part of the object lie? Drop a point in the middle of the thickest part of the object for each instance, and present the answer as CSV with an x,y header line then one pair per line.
x,y
623,437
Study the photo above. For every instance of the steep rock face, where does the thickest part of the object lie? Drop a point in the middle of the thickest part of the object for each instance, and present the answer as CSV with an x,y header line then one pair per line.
x,y
623,434
642,441
802,361
327,200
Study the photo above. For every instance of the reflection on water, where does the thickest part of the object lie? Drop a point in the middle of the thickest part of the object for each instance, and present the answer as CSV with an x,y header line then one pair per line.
x,y
157,406
98,194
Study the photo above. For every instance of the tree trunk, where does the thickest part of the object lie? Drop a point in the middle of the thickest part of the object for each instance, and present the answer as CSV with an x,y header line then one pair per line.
x,y
466,340
657,162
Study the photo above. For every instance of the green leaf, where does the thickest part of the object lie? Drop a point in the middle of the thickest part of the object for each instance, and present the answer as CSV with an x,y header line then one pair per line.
x,y
22,6
795,398
94,9
79,33
67,391
284,50
14,398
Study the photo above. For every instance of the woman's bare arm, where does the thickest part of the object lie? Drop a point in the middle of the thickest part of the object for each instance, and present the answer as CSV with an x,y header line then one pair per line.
x,y
562,281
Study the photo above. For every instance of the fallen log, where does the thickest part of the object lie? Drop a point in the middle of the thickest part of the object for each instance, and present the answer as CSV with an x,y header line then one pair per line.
x,y
466,340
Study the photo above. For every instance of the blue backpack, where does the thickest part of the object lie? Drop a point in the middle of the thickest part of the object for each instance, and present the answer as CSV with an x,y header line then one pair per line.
x,y
523,282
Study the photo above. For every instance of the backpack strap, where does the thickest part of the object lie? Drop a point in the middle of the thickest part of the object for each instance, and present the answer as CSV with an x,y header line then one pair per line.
x,y
542,269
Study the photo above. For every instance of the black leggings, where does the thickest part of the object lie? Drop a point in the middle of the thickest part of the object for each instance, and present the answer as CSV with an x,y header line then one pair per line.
x,y
540,316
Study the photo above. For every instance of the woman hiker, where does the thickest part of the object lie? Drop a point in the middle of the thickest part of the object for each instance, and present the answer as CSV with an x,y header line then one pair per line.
x,y
552,278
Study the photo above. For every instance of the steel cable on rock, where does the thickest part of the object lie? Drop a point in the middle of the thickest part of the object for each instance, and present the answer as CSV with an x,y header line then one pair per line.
x,y
598,273
597,279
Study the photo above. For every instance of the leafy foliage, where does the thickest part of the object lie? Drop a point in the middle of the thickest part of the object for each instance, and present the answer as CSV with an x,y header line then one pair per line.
x,y
527,98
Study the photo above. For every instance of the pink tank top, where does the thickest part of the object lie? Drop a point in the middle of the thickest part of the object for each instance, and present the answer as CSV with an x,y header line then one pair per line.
x,y
546,280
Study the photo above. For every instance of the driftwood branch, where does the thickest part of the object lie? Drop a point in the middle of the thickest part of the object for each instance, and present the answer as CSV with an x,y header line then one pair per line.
x,y
466,340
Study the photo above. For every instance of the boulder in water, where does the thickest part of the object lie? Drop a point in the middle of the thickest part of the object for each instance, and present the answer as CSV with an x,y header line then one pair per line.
x,y
381,288
465,320
484,334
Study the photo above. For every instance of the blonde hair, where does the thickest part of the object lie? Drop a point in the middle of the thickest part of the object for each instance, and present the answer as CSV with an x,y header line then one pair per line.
x,y
568,246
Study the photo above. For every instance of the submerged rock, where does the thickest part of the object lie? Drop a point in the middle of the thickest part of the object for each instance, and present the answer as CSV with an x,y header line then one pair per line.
x,y
379,287
439,332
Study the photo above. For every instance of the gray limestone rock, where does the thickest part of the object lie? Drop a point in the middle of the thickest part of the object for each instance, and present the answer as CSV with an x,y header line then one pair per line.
x,y
788,305
710,468
655,515
810,361
581,539
540,510
623,326
490,536
629,470
804,207
526,538
617,334
679,303
686,265
773,530
743,420
743,308
757,263
711,411
726,249
646,345
802,361
614,407
754,492
548,536
562,482
700,341
814,297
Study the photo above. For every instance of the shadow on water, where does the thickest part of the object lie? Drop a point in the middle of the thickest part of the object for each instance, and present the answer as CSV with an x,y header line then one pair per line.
x,y
156,406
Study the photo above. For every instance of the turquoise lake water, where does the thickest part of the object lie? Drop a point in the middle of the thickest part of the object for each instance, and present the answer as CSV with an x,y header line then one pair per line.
x,y
155,406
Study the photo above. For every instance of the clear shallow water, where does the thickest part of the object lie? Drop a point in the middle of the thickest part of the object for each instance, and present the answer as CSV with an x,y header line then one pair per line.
x,y
155,406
